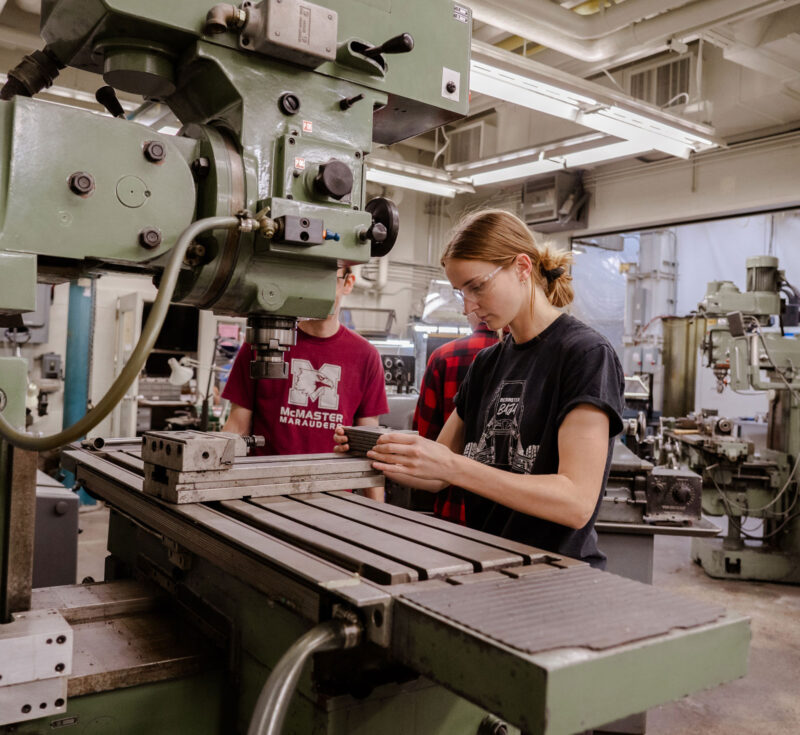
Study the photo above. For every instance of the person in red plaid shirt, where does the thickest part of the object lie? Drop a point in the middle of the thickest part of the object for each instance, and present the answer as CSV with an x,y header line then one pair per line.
x,y
445,372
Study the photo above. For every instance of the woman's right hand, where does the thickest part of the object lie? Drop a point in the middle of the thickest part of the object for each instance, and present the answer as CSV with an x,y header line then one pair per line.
x,y
340,440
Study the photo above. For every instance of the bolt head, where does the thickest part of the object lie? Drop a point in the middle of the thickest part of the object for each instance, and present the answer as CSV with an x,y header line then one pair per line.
x,y
154,151
81,183
150,237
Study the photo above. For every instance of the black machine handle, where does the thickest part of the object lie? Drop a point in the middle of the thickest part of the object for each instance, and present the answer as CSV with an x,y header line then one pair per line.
x,y
401,44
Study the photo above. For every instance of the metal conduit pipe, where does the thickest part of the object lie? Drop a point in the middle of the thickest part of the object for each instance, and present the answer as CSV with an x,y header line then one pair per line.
x,y
273,702
689,19
169,279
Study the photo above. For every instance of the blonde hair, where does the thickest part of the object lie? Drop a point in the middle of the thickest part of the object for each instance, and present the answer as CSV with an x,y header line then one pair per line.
x,y
497,236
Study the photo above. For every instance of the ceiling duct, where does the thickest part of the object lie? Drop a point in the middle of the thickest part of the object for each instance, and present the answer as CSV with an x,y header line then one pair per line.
x,y
617,33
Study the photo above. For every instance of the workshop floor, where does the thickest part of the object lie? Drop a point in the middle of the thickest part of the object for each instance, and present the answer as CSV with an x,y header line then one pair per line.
x,y
765,701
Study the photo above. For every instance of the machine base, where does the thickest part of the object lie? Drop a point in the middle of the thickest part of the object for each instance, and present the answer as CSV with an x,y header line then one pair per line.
x,y
761,565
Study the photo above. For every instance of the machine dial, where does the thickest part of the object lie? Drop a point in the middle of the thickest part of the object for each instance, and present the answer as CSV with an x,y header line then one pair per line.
x,y
384,213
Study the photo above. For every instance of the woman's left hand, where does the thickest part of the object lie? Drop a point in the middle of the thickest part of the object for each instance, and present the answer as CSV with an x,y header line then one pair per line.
x,y
411,454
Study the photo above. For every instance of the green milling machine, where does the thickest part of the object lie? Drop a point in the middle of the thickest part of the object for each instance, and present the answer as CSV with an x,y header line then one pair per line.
x,y
228,573
738,481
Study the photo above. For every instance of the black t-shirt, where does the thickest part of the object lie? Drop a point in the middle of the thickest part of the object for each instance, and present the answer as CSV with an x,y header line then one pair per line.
x,y
512,403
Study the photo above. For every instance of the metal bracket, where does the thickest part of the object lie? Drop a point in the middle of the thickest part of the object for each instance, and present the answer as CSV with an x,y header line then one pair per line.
x,y
35,662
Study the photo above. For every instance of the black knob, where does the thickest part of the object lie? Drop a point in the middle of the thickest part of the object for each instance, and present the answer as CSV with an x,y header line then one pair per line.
x,y
81,183
107,97
289,104
385,225
681,494
401,44
334,179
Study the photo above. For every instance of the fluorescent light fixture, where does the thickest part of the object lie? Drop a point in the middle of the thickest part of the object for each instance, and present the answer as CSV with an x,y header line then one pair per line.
x,y
391,178
425,329
392,342
447,330
418,178
524,82
585,157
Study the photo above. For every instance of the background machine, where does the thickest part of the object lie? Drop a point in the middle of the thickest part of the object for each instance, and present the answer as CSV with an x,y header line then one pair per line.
x,y
739,481
221,562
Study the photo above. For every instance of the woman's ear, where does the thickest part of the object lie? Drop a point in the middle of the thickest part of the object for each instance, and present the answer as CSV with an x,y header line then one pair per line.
x,y
348,283
523,266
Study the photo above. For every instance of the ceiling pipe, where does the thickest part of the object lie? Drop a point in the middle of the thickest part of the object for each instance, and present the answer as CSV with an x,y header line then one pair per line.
x,y
523,19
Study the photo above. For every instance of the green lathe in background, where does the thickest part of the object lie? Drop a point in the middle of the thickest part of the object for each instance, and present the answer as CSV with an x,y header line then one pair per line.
x,y
223,569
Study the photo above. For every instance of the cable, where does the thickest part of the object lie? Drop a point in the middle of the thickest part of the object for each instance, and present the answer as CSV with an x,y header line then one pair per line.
x,y
137,359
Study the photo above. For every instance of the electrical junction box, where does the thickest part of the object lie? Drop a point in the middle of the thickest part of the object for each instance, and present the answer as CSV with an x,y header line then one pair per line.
x,y
555,202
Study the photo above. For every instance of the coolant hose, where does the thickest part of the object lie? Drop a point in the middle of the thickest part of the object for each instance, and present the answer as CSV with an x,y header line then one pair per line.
x,y
137,359
273,702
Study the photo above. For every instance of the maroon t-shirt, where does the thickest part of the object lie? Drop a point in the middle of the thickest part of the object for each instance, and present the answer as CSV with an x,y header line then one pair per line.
x,y
332,380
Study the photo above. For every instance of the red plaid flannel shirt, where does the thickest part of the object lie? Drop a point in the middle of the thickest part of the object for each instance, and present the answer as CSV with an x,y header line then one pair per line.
x,y
446,368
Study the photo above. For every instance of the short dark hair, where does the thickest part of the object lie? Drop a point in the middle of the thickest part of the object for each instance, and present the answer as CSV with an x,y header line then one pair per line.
x,y
347,270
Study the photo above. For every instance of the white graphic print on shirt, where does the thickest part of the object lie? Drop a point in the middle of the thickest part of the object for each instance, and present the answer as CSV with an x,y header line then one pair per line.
x,y
500,443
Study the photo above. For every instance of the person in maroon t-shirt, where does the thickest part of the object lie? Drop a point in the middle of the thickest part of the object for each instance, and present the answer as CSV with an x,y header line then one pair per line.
x,y
335,377
444,374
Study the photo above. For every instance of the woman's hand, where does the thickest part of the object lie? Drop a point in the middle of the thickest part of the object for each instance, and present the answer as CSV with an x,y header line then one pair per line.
x,y
412,455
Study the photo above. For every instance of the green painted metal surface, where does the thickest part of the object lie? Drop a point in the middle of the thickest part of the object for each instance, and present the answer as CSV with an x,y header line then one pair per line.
x,y
571,690
72,28
190,706
40,213
17,282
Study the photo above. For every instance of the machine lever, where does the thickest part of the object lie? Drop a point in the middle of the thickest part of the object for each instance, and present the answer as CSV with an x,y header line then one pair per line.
x,y
107,97
401,44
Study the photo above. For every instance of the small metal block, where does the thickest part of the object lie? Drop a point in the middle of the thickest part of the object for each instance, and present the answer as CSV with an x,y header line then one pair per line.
x,y
33,645
154,151
363,438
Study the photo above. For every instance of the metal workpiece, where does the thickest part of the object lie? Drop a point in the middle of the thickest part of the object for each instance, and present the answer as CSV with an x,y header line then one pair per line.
x,y
36,650
360,439
261,477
